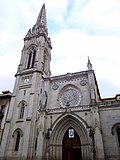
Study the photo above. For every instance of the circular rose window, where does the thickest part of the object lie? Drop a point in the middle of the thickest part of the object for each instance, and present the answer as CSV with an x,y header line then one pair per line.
x,y
70,97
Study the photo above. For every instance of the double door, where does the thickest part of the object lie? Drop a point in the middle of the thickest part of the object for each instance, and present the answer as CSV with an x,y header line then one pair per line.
x,y
71,146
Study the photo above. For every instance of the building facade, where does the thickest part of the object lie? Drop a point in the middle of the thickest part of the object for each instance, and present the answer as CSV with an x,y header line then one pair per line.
x,y
56,118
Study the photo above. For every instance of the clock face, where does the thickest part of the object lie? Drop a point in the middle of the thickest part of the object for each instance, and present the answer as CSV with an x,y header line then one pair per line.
x,y
70,97
26,80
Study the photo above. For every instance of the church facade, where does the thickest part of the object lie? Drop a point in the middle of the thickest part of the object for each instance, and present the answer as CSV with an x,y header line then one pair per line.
x,y
56,118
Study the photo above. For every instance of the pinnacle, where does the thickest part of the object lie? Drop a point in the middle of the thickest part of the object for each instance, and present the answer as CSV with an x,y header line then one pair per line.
x,y
89,65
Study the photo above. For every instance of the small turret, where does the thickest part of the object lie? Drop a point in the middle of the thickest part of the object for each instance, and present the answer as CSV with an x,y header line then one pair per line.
x,y
89,65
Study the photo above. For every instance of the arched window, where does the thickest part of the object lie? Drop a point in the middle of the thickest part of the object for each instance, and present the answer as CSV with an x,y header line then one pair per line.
x,y
31,59
22,106
2,111
17,137
116,131
22,112
118,135
17,141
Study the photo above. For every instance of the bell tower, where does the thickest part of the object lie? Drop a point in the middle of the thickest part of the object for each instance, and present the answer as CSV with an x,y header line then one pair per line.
x,y
36,53
20,129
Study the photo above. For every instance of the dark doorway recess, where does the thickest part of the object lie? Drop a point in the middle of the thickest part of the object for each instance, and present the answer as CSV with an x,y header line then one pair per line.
x,y
71,146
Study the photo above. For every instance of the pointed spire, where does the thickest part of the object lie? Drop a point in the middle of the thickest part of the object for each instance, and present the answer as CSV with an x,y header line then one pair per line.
x,y
40,25
89,65
41,20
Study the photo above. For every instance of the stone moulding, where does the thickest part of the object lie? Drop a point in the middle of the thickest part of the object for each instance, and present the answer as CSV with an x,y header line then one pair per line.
x,y
69,109
109,103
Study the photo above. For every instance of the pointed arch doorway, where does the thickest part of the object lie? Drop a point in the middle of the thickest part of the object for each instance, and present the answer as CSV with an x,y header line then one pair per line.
x,y
71,145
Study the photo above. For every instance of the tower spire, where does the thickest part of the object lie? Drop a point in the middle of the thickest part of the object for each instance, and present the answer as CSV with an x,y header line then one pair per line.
x,y
41,20
40,26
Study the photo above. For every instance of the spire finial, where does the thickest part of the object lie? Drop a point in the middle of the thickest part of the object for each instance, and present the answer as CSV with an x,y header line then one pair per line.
x,y
89,65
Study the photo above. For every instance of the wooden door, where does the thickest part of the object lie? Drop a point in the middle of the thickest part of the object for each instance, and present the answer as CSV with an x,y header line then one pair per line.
x,y
71,146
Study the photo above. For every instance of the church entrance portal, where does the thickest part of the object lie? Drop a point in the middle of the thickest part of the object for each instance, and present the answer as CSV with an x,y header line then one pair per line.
x,y
71,146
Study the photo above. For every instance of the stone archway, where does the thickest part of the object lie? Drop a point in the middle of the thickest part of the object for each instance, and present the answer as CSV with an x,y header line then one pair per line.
x,y
71,145
59,128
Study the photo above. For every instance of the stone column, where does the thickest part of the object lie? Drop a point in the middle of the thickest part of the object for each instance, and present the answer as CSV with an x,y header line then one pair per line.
x,y
96,135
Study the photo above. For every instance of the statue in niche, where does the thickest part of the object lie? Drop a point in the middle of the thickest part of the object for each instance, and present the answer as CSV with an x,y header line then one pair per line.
x,y
43,102
44,99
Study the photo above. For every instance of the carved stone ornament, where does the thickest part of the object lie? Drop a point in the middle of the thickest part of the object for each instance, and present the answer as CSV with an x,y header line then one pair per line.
x,y
68,76
83,82
70,97
55,86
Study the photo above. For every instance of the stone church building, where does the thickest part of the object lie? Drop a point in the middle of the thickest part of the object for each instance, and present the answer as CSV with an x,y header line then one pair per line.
x,y
56,118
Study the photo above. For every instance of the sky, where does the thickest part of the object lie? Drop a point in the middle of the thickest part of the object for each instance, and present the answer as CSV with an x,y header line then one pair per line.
x,y
77,28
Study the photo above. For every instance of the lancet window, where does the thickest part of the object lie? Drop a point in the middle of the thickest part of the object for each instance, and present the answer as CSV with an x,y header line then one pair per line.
x,y
118,135
17,138
2,111
116,131
22,106
31,58
17,141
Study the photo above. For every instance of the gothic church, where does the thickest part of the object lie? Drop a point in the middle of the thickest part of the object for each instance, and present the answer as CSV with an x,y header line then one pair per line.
x,y
56,118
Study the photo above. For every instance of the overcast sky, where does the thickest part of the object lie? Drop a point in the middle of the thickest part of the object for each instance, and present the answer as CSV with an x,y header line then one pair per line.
x,y
78,29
